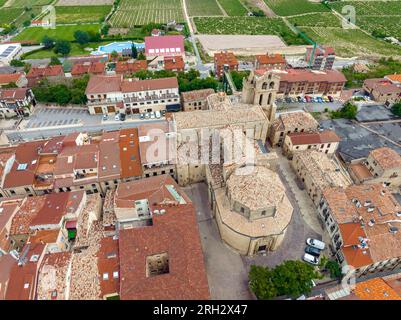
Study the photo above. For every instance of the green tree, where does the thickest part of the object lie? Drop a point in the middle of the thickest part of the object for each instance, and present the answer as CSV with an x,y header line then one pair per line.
x,y
26,23
261,282
62,47
134,51
105,29
141,56
114,55
334,268
94,36
17,63
10,85
348,111
48,42
82,37
54,61
396,109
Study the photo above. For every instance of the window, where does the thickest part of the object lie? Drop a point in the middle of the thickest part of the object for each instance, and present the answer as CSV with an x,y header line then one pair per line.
x,y
242,210
105,276
263,212
115,274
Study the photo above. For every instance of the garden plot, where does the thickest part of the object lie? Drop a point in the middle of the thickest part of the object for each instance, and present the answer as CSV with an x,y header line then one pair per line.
x,y
81,14
203,8
294,7
139,12
233,7
323,19
84,2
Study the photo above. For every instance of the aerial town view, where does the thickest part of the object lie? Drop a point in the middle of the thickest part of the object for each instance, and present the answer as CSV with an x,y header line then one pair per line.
x,y
246,151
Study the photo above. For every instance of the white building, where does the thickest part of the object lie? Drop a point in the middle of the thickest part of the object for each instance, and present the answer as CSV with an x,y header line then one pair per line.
x,y
8,52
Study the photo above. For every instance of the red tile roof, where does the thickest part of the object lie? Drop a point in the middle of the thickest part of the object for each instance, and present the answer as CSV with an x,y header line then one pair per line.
x,y
386,157
222,58
88,67
175,233
163,43
382,85
130,160
108,261
174,63
9,78
129,85
49,71
301,75
271,59
131,66
103,84
13,94
327,136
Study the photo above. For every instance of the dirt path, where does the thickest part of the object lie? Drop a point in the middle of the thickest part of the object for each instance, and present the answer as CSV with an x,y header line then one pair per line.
x,y
221,8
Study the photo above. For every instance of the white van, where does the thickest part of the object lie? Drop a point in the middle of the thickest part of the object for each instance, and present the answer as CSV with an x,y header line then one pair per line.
x,y
158,115
316,243
310,259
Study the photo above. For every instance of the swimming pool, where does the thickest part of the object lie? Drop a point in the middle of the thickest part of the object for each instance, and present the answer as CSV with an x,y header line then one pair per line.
x,y
118,46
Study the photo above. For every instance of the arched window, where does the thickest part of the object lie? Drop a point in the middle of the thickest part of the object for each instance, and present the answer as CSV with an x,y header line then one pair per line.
x,y
264,86
270,76
260,99
269,99
271,85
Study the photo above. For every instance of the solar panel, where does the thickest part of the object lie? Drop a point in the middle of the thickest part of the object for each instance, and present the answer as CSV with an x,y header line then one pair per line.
x,y
22,166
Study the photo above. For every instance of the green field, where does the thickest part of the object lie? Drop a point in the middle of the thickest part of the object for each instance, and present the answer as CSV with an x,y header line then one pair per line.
x,y
246,25
27,3
380,18
81,14
2,2
8,15
36,34
323,19
352,42
139,12
203,8
233,7
294,7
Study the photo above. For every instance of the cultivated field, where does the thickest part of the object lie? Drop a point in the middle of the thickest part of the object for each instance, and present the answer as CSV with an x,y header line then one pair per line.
x,y
36,34
323,19
352,42
294,7
139,12
25,3
203,8
233,7
246,25
381,18
7,15
81,14
83,2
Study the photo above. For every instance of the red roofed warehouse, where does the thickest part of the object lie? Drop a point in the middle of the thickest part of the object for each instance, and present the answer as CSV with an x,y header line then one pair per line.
x,y
164,46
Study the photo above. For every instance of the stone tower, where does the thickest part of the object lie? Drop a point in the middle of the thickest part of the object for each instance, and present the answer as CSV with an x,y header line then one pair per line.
x,y
260,88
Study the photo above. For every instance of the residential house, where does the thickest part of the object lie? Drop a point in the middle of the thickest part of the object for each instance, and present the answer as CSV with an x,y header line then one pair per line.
x,y
16,102
52,73
196,99
224,60
92,68
270,61
18,79
127,68
382,90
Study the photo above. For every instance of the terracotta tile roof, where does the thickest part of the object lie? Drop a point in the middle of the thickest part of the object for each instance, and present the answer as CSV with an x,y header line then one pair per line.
x,y
109,156
9,78
351,232
375,289
26,153
8,208
222,58
45,236
14,94
386,157
327,136
129,85
48,71
306,75
22,283
394,77
103,84
52,277
360,171
130,161
88,67
175,233
271,59
382,85
6,264
196,95
356,256
108,262
292,120
131,66
174,63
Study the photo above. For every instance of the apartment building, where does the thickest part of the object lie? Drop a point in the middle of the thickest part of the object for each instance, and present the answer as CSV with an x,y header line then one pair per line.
x,y
291,122
383,165
321,58
270,61
16,102
113,94
362,223
224,60
382,90
326,141
318,172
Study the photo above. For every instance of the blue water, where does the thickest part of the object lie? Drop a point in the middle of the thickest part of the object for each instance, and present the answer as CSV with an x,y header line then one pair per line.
x,y
118,46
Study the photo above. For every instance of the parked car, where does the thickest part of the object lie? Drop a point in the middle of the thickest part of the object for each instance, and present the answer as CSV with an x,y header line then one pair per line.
x,y
303,100
152,115
122,116
288,100
316,243
105,117
308,99
319,99
299,99
163,113
279,100
147,115
313,251
158,115
142,116
294,99
331,99
117,117
325,99
310,259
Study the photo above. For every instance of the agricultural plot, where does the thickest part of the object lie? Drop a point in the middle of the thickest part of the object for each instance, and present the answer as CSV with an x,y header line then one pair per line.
x,y
27,3
323,19
83,2
233,7
81,14
294,7
139,12
2,2
203,8
36,34
8,15
352,42
246,25
380,18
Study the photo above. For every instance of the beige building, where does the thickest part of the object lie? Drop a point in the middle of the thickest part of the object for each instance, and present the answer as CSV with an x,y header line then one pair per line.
x,y
318,172
383,165
325,141
260,88
196,99
291,122
363,222
382,90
